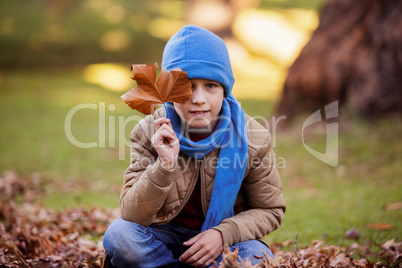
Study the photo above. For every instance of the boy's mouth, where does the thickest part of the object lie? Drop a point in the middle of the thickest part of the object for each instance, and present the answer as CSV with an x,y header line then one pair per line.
x,y
199,112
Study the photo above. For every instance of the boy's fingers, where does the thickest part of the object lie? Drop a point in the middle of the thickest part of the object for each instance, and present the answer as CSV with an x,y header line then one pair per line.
x,y
188,254
164,124
167,127
170,124
167,133
161,121
162,136
192,240
200,258
203,261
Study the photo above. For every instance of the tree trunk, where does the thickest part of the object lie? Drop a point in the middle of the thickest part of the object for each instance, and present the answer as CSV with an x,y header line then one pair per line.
x,y
354,56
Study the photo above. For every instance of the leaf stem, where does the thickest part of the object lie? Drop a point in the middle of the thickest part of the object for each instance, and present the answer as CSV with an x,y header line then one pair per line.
x,y
166,111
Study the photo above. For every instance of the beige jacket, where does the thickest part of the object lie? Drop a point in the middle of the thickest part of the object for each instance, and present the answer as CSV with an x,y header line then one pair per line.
x,y
154,195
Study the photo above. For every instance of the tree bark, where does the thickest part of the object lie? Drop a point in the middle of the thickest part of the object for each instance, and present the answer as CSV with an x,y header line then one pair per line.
x,y
354,56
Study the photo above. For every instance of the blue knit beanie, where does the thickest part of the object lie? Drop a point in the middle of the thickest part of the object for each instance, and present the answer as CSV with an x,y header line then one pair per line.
x,y
201,54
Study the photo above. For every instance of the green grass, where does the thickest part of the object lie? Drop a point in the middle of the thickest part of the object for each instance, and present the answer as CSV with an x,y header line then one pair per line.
x,y
33,139
323,201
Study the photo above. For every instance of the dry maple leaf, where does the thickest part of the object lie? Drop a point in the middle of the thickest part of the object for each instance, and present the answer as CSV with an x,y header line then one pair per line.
x,y
172,86
379,226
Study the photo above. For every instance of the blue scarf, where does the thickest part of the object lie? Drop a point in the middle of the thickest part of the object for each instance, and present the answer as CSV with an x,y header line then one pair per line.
x,y
230,136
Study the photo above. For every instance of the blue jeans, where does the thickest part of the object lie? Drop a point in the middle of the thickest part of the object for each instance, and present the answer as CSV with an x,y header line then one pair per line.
x,y
132,245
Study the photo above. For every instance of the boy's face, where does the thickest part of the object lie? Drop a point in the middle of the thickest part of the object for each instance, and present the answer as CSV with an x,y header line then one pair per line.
x,y
202,110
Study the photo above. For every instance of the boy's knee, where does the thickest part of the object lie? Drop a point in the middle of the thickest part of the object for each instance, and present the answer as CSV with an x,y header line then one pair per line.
x,y
119,242
131,245
115,232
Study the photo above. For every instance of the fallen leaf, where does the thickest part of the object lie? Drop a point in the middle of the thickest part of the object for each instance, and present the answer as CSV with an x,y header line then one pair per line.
x,y
393,206
389,243
230,258
379,226
173,86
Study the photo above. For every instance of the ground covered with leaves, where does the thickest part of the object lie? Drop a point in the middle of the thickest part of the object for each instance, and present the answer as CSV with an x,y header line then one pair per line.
x,y
34,236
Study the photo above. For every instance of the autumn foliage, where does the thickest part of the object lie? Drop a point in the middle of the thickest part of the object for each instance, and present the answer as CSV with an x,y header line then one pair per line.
x,y
150,92
35,236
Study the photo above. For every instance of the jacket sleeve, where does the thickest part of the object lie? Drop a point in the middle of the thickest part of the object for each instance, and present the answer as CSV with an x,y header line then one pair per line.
x,y
146,181
263,190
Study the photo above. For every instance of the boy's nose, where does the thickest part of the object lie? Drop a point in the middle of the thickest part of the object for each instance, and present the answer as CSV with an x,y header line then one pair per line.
x,y
198,96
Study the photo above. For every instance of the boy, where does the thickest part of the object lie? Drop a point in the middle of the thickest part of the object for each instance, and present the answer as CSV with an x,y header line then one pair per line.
x,y
203,174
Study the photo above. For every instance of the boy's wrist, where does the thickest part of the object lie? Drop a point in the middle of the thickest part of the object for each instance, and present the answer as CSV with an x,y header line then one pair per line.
x,y
167,164
159,174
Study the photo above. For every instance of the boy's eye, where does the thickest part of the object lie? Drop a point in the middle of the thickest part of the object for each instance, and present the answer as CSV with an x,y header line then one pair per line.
x,y
211,85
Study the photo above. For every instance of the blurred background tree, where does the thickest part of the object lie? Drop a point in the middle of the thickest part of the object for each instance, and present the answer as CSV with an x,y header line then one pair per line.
x,y
354,56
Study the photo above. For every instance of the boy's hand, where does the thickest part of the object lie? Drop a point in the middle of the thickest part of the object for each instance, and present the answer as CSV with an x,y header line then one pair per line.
x,y
165,142
204,248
